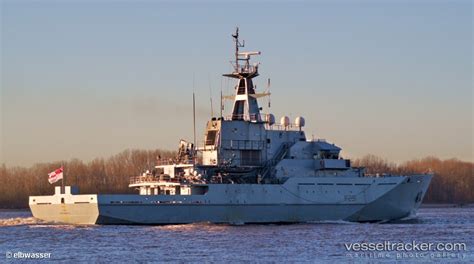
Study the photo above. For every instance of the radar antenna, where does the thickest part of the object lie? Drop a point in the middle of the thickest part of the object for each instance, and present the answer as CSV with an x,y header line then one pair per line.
x,y
243,56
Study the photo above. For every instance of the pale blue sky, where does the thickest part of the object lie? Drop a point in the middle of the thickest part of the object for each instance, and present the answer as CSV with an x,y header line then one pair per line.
x,y
88,79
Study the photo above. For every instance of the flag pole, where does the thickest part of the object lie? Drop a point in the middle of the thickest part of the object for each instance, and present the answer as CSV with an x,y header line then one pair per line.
x,y
62,180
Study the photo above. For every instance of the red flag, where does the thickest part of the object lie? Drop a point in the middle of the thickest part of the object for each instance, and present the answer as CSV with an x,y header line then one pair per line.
x,y
55,175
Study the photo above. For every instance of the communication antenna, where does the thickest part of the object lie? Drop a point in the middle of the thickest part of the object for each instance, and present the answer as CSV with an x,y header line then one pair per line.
x,y
194,120
269,94
194,117
210,95
238,45
222,105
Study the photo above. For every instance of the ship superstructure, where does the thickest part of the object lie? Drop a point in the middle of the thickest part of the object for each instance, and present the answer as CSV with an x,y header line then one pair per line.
x,y
250,170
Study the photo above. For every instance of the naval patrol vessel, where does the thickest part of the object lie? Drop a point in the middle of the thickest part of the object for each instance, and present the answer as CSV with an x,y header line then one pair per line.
x,y
249,169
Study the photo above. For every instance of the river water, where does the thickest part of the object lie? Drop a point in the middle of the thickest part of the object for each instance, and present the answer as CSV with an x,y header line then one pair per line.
x,y
449,230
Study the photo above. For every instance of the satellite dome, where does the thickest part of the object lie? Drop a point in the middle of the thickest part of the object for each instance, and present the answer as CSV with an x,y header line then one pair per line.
x,y
270,118
299,121
285,121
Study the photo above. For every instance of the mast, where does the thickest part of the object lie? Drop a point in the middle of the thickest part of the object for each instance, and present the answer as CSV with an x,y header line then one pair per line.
x,y
245,100
63,190
222,106
237,45
194,121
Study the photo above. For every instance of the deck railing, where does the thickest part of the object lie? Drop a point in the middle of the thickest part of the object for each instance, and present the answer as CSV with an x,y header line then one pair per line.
x,y
244,68
251,117
151,179
160,162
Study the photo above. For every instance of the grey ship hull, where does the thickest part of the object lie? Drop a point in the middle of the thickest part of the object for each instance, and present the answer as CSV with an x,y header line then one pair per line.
x,y
361,199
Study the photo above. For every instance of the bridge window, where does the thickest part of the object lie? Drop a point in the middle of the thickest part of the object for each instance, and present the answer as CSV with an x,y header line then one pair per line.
x,y
238,113
325,154
211,137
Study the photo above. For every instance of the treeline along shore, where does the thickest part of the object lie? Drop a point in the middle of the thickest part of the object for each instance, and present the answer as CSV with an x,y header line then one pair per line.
x,y
110,175
453,181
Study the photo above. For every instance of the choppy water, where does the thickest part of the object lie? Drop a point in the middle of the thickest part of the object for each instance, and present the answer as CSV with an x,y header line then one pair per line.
x,y
316,242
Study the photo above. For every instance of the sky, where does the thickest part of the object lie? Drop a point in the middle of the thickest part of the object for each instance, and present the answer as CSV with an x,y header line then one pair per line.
x,y
88,79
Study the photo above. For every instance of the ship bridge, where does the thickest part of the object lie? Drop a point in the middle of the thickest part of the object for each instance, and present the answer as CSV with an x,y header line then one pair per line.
x,y
247,138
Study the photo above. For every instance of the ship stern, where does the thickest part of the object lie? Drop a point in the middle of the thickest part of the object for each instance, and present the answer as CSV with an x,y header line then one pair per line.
x,y
65,207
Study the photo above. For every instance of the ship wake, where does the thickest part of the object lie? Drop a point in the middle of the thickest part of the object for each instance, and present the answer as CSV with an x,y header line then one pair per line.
x,y
20,221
